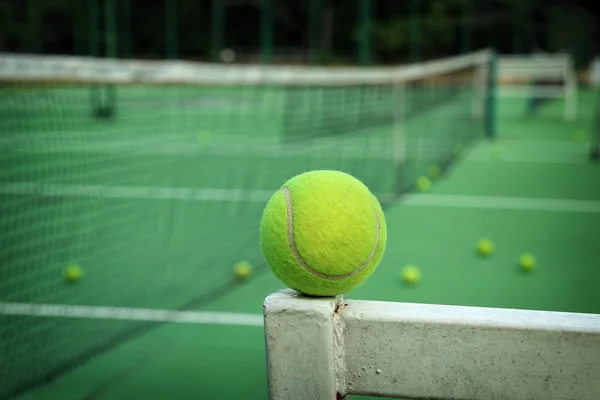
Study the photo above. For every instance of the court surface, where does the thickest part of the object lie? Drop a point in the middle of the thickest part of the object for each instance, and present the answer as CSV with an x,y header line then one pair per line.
x,y
532,190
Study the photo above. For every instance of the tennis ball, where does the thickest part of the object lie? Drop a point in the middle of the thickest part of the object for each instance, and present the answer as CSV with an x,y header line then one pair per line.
x,y
527,262
485,247
423,184
73,273
411,274
434,172
496,152
203,137
323,233
580,135
242,270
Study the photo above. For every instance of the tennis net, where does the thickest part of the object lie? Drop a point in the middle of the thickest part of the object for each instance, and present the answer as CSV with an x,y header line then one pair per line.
x,y
152,176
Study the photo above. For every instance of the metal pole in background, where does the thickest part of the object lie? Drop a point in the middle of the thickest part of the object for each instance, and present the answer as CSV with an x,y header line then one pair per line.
x,y
93,28
313,30
491,93
34,22
125,31
266,31
171,36
94,50
466,27
110,43
80,21
216,30
364,32
110,31
415,31
519,28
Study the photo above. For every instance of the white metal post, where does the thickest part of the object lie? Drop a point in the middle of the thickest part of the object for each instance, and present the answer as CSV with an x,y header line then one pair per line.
x,y
301,341
322,348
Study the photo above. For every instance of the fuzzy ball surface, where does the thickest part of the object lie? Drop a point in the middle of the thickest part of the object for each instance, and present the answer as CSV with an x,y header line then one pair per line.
x,y
323,233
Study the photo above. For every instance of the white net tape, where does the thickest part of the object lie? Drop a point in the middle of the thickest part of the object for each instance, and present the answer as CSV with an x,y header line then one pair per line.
x,y
34,67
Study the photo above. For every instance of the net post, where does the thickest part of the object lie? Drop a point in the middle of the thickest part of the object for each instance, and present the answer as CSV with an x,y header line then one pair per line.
x,y
398,144
491,93
301,336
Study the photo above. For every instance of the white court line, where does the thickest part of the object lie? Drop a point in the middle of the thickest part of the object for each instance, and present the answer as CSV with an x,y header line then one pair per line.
x,y
511,157
241,149
504,203
134,192
130,314
262,196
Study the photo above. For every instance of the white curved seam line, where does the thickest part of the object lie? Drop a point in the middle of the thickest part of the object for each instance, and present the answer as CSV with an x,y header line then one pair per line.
x,y
292,242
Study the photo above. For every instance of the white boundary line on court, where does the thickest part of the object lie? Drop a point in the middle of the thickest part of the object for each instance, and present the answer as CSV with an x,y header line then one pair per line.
x,y
135,192
503,203
130,314
531,158
262,196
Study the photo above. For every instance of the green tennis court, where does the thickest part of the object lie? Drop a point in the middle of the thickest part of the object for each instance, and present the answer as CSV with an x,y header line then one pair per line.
x,y
158,204
227,361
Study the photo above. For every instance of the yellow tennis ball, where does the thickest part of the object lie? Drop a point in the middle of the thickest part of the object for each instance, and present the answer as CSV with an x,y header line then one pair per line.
x,y
243,270
411,274
527,262
203,137
496,152
323,233
580,135
423,184
73,273
485,247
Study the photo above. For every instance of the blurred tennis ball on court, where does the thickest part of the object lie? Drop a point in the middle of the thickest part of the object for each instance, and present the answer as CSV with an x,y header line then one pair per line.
x,y
580,135
323,233
73,273
242,270
434,172
203,137
485,247
423,184
411,274
527,262
496,152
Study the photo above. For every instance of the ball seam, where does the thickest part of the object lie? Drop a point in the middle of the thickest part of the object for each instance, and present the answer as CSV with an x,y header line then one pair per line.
x,y
294,249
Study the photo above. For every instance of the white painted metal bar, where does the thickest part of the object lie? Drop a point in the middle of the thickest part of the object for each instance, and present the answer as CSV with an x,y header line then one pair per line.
x,y
404,350
31,68
301,346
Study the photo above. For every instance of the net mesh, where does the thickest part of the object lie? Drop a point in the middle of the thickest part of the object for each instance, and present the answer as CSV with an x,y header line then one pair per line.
x,y
152,176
